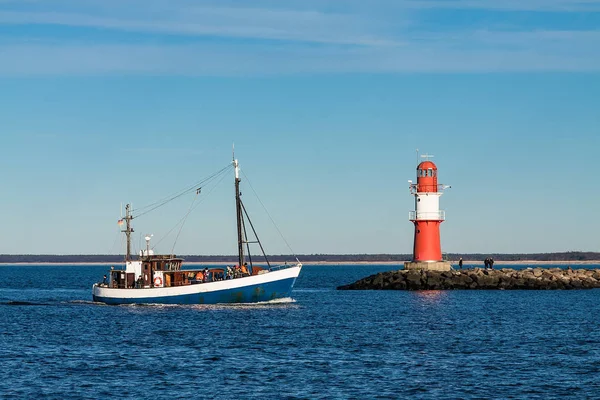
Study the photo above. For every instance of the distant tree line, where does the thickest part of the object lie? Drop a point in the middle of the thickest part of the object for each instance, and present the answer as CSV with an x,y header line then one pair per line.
x,y
305,258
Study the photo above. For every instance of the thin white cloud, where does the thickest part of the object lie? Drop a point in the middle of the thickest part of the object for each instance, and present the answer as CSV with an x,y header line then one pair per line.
x,y
164,151
141,7
283,37
574,51
251,23
510,5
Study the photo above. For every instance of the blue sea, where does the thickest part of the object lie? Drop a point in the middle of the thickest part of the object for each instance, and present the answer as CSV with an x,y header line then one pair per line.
x,y
325,344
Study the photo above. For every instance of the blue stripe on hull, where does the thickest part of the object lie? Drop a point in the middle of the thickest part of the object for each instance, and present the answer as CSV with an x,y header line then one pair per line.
x,y
247,294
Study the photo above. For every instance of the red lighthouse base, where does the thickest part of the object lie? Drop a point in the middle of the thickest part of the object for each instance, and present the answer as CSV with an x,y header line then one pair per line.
x,y
427,241
427,251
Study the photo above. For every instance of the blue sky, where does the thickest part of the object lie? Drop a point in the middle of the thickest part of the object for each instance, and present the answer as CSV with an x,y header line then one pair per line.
x,y
108,102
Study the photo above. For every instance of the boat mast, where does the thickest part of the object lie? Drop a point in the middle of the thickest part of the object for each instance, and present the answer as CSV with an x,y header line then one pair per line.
x,y
128,230
238,208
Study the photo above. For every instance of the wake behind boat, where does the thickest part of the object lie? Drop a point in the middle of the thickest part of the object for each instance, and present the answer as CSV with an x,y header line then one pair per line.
x,y
160,279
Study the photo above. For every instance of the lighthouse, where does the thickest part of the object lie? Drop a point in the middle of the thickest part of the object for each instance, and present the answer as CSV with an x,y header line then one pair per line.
x,y
427,217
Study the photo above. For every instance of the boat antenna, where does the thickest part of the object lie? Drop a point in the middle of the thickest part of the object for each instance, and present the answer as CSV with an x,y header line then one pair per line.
x,y
238,208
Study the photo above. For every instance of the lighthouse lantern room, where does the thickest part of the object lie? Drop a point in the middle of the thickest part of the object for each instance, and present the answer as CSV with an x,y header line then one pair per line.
x,y
427,217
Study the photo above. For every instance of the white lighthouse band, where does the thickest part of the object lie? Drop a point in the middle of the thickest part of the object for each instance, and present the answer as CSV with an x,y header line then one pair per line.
x,y
427,207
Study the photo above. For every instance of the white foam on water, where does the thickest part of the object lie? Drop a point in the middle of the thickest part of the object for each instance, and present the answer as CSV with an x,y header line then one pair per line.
x,y
220,306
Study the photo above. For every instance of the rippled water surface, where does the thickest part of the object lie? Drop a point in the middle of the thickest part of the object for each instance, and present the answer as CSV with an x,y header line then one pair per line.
x,y
55,343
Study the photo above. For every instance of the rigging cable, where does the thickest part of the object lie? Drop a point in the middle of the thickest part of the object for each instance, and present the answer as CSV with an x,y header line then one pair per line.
x,y
114,245
269,215
186,189
182,220
160,203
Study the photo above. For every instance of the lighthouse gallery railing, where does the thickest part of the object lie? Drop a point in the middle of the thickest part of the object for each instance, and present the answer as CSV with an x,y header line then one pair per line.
x,y
428,216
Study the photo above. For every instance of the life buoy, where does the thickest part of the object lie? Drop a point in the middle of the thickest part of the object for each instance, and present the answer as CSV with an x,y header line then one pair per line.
x,y
158,281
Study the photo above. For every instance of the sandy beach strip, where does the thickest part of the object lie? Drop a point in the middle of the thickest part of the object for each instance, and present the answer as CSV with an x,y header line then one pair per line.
x,y
466,263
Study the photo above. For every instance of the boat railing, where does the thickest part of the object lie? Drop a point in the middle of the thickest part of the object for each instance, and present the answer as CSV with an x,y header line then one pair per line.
x,y
216,274
280,267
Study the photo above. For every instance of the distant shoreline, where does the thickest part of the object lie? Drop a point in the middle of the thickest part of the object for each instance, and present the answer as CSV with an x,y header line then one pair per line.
x,y
455,262
532,262
466,263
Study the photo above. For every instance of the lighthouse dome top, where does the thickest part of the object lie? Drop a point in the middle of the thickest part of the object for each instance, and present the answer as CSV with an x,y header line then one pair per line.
x,y
427,165
427,177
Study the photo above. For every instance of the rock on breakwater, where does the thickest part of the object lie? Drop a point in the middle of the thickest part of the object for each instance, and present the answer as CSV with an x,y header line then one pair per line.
x,y
479,278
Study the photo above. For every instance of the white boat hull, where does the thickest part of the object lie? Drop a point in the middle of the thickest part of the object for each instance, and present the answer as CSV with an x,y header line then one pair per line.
x,y
251,289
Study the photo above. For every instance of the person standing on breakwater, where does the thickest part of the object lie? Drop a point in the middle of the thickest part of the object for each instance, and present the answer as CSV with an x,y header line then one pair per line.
x,y
486,262
491,262
460,262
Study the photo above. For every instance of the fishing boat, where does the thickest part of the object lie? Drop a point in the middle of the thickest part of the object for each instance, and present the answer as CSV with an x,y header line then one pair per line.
x,y
160,279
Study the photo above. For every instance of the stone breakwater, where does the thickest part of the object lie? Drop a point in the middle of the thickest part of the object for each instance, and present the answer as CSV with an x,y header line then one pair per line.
x,y
478,278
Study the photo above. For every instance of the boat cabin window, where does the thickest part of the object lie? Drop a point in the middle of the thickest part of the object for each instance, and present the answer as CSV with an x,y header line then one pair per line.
x,y
175,265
